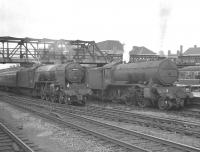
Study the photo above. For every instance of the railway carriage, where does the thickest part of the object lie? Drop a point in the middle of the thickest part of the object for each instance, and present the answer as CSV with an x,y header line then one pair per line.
x,y
8,78
189,79
145,84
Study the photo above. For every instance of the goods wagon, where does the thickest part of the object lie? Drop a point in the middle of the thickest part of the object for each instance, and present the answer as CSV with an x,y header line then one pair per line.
x,y
145,84
62,83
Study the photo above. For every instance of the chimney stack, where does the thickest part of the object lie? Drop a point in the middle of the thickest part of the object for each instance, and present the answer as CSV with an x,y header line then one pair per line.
x,y
178,52
169,52
181,50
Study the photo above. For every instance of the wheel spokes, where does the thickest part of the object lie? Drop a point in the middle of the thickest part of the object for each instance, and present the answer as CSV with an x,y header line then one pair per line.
x,y
163,104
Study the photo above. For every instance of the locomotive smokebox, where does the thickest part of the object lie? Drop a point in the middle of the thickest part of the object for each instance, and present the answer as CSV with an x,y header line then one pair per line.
x,y
162,72
74,73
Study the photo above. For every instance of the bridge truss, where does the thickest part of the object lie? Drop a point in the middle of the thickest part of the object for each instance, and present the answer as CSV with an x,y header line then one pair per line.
x,y
30,50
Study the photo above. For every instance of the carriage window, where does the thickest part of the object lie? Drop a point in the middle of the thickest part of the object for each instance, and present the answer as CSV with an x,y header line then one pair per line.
x,y
188,75
182,75
197,75
192,75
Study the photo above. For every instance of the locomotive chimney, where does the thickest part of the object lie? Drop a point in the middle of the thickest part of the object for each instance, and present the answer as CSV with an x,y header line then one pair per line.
x,y
181,50
195,46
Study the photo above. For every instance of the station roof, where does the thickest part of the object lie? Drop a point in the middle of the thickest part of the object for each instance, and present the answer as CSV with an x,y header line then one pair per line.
x,y
136,50
192,51
191,68
111,45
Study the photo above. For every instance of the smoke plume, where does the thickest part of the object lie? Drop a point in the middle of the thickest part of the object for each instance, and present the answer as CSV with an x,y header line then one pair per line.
x,y
164,13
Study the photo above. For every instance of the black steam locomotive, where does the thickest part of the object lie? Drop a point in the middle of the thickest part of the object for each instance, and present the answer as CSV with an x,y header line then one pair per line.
x,y
144,84
62,83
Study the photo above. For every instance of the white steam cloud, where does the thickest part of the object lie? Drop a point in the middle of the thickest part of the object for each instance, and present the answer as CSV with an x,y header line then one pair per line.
x,y
164,14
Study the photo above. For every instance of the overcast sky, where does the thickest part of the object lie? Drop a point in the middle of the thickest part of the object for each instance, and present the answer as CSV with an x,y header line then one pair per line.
x,y
155,24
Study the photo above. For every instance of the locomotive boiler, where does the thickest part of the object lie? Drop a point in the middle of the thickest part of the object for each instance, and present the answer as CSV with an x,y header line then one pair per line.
x,y
62,83
145,84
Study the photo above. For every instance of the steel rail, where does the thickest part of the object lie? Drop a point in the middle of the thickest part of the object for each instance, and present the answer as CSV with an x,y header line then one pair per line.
x,y
94,133
131,114
129,117
149,117
16,139
152,138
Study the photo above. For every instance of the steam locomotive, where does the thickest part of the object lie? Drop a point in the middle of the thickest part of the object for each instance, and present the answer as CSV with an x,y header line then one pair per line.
x,y
144,84
62,83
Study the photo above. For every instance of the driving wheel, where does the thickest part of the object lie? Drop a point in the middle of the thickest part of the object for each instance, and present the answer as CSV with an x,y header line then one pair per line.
x,y
163,104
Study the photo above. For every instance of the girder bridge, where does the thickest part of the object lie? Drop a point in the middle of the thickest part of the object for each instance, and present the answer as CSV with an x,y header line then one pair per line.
x,y
31,50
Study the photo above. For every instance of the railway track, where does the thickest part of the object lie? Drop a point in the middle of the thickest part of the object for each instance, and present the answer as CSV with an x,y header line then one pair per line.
x,y
172,125
185,112
190,113
10,142
128,139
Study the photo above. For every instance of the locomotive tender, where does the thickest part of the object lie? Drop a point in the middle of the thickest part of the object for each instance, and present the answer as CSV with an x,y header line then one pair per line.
x,y
145,84
62,83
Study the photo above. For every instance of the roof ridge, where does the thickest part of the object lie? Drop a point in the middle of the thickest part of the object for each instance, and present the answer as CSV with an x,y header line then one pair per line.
x,y
192,51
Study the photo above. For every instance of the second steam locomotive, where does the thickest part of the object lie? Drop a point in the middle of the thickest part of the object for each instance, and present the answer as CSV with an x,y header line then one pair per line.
x,y
144,84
